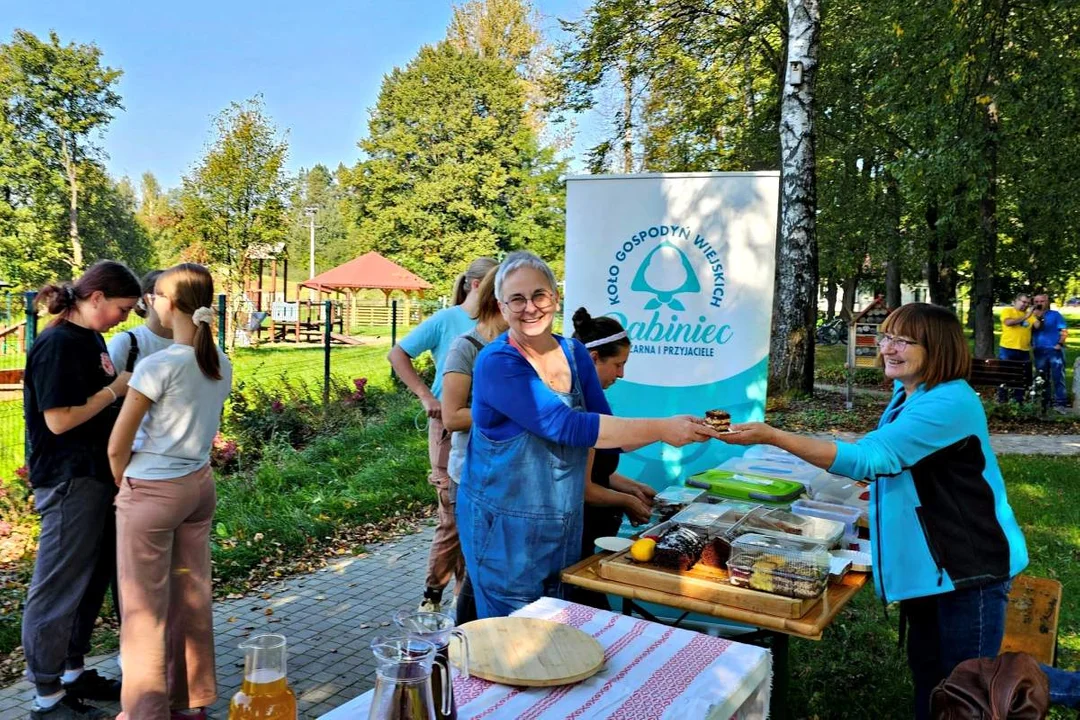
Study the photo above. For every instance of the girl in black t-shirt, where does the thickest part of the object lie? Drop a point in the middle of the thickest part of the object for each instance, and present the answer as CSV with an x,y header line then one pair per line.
x,y
608,495
71,394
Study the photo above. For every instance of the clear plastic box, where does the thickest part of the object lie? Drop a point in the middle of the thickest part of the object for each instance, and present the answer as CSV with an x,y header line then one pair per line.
x,y
849,516
673,499
781,566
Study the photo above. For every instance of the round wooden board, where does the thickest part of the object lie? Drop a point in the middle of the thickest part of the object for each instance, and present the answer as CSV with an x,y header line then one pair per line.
x,y
529,652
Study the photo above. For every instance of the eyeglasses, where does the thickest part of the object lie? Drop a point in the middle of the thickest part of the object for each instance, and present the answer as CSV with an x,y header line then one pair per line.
x,y
541,299
899,344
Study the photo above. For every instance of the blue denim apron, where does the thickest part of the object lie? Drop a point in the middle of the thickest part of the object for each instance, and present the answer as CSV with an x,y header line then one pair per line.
x,y
520,513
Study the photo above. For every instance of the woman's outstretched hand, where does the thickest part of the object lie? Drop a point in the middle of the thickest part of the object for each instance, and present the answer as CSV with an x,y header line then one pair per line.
x,y
754,433
685,429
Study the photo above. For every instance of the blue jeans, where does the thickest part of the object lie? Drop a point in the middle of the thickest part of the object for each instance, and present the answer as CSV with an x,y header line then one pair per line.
x,y
944,630
1017,356
1064,686
1053,361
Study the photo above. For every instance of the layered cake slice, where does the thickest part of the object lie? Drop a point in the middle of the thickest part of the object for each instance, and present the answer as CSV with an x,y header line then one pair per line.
x,y
719,420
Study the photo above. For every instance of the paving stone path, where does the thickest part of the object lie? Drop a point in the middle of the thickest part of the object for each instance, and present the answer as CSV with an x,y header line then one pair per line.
x,y
329,618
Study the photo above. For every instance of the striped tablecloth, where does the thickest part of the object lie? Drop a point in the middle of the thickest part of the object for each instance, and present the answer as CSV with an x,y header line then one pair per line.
x,y
651,671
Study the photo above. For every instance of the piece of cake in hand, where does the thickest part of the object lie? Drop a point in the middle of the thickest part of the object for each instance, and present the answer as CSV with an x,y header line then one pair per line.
x,y
719,420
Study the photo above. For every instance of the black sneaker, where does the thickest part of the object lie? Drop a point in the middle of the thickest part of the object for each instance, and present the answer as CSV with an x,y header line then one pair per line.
x,y
91,686
68,708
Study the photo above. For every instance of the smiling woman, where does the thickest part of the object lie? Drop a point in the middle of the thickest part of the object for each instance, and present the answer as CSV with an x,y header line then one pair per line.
x,y
538,406
945,541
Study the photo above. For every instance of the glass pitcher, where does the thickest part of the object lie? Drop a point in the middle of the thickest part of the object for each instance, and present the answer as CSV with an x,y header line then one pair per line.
x,y
403,678
437,629
265,694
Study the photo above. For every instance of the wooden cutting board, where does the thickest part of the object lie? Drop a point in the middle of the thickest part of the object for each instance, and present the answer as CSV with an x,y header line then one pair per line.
x,y
702,583
529,652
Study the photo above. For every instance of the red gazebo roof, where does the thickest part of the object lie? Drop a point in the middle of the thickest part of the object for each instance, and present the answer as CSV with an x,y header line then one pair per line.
x,y
370,271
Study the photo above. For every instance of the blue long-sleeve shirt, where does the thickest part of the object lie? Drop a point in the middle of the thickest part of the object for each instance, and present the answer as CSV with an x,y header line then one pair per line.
x,y
510,398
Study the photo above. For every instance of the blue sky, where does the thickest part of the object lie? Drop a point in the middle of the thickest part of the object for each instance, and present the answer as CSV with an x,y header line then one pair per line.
x,y
318,65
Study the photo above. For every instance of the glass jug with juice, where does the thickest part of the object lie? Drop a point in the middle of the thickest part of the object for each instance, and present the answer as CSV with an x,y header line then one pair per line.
x,y
403,679
265,694
437,629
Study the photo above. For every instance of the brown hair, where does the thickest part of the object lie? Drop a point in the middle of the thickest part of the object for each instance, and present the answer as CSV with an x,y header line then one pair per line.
x,y
940,334
147,286
488,307
587,328
111,278
477,270
190,287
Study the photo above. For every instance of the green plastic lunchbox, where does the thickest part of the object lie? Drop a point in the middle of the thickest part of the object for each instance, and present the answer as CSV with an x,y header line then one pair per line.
x,y
748,487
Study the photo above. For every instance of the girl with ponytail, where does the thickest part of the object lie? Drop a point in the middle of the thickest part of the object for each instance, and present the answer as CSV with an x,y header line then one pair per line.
x,y
436,335
166,503
71,400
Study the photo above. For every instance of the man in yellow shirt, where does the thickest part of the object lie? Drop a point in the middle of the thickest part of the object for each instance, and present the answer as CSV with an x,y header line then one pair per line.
x,y
1016,325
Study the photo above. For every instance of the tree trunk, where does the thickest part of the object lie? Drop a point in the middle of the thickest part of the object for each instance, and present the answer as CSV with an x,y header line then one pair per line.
x,y
628,121
791,365
894,264
986,251
940,260
830,299
847,303
70,166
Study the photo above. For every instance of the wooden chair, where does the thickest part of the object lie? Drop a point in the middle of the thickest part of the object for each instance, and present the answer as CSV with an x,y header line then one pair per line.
x,y
1031,621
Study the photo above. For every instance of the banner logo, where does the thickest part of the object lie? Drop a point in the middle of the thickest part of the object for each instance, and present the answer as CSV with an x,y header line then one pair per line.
x,y
682,279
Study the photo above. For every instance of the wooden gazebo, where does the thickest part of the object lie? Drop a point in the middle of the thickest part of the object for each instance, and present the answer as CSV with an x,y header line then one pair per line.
x,y
370,271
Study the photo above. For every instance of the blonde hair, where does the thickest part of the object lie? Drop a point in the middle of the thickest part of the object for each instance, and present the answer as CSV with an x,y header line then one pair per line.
x,y
477,269
191,287
940,334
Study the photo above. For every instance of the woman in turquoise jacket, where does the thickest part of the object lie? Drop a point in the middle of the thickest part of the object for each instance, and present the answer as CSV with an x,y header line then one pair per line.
x,y
945,542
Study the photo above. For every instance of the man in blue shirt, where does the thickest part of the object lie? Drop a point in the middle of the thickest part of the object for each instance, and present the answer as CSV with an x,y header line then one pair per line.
x,y
1048,341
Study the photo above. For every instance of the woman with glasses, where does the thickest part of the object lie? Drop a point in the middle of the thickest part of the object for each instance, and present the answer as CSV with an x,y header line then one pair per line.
x,y
945,542
537,409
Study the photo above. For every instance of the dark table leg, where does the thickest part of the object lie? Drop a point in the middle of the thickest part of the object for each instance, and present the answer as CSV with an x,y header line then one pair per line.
x,y
778,709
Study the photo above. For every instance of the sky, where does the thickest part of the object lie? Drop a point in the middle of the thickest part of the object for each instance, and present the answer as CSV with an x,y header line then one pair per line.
x,y
318,66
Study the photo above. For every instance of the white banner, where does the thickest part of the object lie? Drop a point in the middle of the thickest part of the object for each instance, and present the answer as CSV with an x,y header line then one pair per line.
x,y
686,263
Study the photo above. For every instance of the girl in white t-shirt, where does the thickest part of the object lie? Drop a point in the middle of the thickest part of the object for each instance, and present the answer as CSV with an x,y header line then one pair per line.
x,y
127,348
166,503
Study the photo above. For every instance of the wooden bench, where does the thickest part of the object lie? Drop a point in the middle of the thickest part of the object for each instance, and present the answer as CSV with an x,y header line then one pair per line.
x,y
1031,621
11,379
990,372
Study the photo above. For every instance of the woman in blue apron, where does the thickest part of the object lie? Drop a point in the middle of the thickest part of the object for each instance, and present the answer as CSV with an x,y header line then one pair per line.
x,y
537,409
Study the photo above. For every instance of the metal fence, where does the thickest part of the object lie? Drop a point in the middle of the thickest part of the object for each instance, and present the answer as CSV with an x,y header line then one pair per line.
x,y
327,353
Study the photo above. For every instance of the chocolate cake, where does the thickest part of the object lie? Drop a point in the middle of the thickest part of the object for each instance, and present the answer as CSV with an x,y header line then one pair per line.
x,y
716,553
680,548
719,420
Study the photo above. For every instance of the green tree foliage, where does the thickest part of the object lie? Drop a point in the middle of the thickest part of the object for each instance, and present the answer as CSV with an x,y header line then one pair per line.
x,y
56,97
453,168
234,198
945,131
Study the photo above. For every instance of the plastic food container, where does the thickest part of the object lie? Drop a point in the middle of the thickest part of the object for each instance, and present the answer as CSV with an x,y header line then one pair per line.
x,y
744,486
780,566
673,499
849,516
774,522
768,467
711,518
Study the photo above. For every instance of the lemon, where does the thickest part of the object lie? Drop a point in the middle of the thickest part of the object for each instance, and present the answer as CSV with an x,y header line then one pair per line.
x,y
643,550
